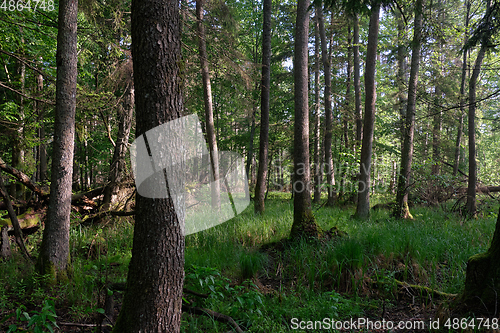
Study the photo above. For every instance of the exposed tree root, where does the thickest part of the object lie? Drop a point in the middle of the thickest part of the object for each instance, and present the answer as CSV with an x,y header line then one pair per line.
x,y
212,314
415,289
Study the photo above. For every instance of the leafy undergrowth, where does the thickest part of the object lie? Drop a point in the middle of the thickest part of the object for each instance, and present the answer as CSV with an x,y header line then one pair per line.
x,y
263,283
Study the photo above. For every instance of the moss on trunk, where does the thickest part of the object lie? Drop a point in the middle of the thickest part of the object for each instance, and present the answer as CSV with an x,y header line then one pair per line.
x,y
53,275
482,283
307,227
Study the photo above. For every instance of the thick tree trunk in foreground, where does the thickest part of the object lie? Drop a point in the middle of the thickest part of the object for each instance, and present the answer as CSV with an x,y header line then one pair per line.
x,y
482,281
209,110
153,300
54,256
401,210
363,206
328,109
304,223
260,188
116,173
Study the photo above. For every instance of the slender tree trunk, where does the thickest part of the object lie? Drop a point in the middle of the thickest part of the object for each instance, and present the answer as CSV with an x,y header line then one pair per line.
x,y
328,109
437,124
401,57
401,209
117,168
317,117
260,189
458,141
153,300
304,223
42,149
357,90
346,114
250,143
17,189
54,258
363,206
472,179
471,189
209,113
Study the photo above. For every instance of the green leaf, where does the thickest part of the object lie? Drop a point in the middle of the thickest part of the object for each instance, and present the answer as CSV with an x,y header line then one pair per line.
x,y
100,310
12,328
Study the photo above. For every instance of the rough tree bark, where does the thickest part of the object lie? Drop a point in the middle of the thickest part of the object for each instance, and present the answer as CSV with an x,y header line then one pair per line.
x,y
304,223
363,206
54,258
209,110
401,209
153,299
260,188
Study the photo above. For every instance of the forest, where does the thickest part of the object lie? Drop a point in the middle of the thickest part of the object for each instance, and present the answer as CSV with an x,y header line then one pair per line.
x,y
249,166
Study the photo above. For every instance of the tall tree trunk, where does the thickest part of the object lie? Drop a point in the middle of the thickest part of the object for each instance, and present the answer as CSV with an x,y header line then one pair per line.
x,y
42,148
458,141
304,223
17,189
260,189
209,113
401,57
347,112
363,206
472,180
54,258
357,90
317,117
250,143
153,300
437,124
117,168
328,109
401,209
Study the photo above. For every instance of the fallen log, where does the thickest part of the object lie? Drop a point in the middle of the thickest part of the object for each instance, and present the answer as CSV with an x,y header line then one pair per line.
x,y
89,194
24,179
481,189
104,213
29,219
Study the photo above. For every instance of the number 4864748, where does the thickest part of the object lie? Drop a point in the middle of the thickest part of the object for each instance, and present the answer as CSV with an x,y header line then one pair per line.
x,y
20,5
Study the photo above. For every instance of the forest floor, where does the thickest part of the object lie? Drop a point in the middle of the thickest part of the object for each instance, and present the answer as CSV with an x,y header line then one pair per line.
x,y
379,272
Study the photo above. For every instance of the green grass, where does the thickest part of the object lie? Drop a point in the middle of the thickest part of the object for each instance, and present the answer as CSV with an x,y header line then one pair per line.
x,y
264,288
